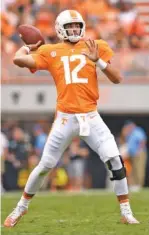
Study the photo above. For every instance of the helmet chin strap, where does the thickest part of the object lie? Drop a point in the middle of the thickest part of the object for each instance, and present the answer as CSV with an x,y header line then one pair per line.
x,y
74,38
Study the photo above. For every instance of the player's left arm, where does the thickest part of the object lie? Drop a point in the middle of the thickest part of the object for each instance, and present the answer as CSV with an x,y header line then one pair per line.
x,y
112,73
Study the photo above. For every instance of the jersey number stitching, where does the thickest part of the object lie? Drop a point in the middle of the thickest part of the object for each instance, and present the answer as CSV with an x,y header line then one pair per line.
x,y
72,76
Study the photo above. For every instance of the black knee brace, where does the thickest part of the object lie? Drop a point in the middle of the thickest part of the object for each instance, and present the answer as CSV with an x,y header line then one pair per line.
x,y
117,174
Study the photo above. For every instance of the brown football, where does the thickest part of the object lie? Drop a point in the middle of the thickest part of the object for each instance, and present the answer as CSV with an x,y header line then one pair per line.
x,y
30,34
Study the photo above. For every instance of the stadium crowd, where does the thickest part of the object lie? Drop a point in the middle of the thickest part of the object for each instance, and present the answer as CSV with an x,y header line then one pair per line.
x,y
116,21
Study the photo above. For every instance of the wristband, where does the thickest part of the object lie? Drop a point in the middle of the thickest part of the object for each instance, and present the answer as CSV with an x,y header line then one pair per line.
x,y
101,64
27,49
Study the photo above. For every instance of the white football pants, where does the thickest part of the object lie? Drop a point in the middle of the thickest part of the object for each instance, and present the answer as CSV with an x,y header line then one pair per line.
x,y
89,126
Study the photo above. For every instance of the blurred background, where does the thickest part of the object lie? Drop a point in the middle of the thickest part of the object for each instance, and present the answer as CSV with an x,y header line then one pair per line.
x,y
28,100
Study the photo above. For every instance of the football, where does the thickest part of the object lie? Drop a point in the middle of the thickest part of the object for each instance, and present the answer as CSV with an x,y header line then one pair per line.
x,y
30,34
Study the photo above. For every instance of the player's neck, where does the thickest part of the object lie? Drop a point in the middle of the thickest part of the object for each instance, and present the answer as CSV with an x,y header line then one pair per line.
x,y
70,43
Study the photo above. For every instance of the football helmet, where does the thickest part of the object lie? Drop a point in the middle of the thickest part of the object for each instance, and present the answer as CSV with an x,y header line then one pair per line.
x,y
68,17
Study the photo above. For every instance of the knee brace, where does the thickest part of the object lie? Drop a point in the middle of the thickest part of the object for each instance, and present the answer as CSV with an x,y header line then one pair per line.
x,y
117,174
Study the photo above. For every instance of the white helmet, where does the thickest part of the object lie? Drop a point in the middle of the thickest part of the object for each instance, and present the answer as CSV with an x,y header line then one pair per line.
x,y
68,17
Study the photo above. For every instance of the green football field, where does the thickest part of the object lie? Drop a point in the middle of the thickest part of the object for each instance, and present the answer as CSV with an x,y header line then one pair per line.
x,y
89,213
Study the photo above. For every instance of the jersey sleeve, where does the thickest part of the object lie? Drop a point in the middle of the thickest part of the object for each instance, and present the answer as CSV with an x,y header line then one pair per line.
x,y
40,58
105,52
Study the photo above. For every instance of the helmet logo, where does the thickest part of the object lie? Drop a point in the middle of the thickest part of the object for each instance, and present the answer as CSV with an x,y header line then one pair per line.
x,y
53,53
73,14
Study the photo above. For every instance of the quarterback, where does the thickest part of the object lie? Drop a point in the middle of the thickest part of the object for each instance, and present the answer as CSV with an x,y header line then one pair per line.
x,y
73,63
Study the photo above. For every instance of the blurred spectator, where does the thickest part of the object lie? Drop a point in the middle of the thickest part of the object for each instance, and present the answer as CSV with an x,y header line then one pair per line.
x,y
127,13
95,8
4,145
3,154
44,22
59,178
144,43
76,168
123,148
95,170
91,31
136,139
40,139
8,127
16,159
33,160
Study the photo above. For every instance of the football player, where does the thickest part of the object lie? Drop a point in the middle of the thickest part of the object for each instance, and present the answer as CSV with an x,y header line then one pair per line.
x,y
73,63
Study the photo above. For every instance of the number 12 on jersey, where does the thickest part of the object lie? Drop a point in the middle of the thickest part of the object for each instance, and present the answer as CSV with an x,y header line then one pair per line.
x,y
72,76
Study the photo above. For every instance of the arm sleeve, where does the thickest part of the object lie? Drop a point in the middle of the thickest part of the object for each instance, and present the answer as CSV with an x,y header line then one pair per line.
x,y
40,58
105,52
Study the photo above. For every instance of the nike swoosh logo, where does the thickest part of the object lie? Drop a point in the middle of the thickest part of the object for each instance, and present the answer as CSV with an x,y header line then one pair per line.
x,y
13,224
91,117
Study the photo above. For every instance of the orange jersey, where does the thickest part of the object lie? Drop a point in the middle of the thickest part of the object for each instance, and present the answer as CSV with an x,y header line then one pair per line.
x,y
74,74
